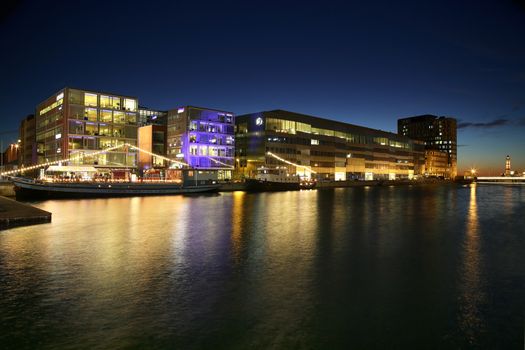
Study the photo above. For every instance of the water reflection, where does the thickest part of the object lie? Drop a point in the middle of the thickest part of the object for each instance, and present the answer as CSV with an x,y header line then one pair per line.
x,y
237,218
344,268
472,295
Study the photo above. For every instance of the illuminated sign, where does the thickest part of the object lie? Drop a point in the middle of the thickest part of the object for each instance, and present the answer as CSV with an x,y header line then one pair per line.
x,y
60,96
180,110
259,121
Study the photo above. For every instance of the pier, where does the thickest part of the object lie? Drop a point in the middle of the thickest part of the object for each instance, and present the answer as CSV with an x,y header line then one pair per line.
x,y
13,213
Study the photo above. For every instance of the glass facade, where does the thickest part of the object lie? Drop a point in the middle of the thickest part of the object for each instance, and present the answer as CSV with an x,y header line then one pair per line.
x,y
323,148
74,122
203,138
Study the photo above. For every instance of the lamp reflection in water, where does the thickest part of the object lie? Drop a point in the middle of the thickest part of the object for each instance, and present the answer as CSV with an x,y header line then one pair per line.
x,y
237,221
471,285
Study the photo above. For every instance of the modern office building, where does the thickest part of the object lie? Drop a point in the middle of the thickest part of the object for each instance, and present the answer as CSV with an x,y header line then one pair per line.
x,y
75,122
27,136
332,150
438,134
148,116
203,138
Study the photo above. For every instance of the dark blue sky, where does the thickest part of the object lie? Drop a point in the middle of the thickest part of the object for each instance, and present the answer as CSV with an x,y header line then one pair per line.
x,y
366,64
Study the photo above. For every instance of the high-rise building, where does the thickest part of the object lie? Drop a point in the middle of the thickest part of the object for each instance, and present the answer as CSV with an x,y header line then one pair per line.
x,y
75,122
203,138
438,134
27,136
322,148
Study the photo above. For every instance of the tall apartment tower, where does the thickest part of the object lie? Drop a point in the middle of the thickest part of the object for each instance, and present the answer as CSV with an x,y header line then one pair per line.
x,y
438,134
507,166
76,122
203,138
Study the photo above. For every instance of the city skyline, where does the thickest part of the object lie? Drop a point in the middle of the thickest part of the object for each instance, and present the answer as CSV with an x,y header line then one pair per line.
x,y
362,65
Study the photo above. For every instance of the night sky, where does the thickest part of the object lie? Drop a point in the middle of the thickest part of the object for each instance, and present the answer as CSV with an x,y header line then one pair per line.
x,y
367,64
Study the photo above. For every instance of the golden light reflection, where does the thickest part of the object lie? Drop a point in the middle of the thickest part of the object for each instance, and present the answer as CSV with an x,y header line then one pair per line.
x,y
472,295
237,220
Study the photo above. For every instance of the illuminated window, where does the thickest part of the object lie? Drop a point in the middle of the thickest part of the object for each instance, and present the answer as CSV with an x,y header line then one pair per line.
x,y
106,116
90,114
90,99
213,151
110,102
105,130
130,105
118,131
91,129
119,118
131,118
314,142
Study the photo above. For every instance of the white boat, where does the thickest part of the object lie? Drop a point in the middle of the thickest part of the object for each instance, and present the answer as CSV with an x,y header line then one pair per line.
x,y
276,179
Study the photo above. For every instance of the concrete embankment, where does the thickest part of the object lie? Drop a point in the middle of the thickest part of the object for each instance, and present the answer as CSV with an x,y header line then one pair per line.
x,y
13,213
7,189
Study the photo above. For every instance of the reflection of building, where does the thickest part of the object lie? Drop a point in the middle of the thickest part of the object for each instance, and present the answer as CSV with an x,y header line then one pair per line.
x,y
73,122
438,133
333,150
203,138
436,163
28,141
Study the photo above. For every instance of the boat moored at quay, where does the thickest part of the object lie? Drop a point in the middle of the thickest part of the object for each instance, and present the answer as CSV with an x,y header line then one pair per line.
x,y
277,179
93,186
29,188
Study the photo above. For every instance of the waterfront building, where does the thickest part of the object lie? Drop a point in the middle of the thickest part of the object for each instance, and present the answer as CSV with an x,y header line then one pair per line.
x,y
74,121
438,134
203,138
322,148
148,116
27,136
10,157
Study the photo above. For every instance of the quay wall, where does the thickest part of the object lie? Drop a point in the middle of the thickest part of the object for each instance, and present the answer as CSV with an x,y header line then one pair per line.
x,y
7,189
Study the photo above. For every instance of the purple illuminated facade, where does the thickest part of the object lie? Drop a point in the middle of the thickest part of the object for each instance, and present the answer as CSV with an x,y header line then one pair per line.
x,y
203,138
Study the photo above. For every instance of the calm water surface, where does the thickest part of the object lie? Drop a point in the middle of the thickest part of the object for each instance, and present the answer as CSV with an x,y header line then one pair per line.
x,y
379,267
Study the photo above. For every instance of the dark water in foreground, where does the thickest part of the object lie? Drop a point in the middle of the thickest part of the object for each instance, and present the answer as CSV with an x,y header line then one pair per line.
x,y
380,267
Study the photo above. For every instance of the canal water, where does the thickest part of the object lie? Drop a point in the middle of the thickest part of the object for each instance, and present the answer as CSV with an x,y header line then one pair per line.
x,y
438,266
